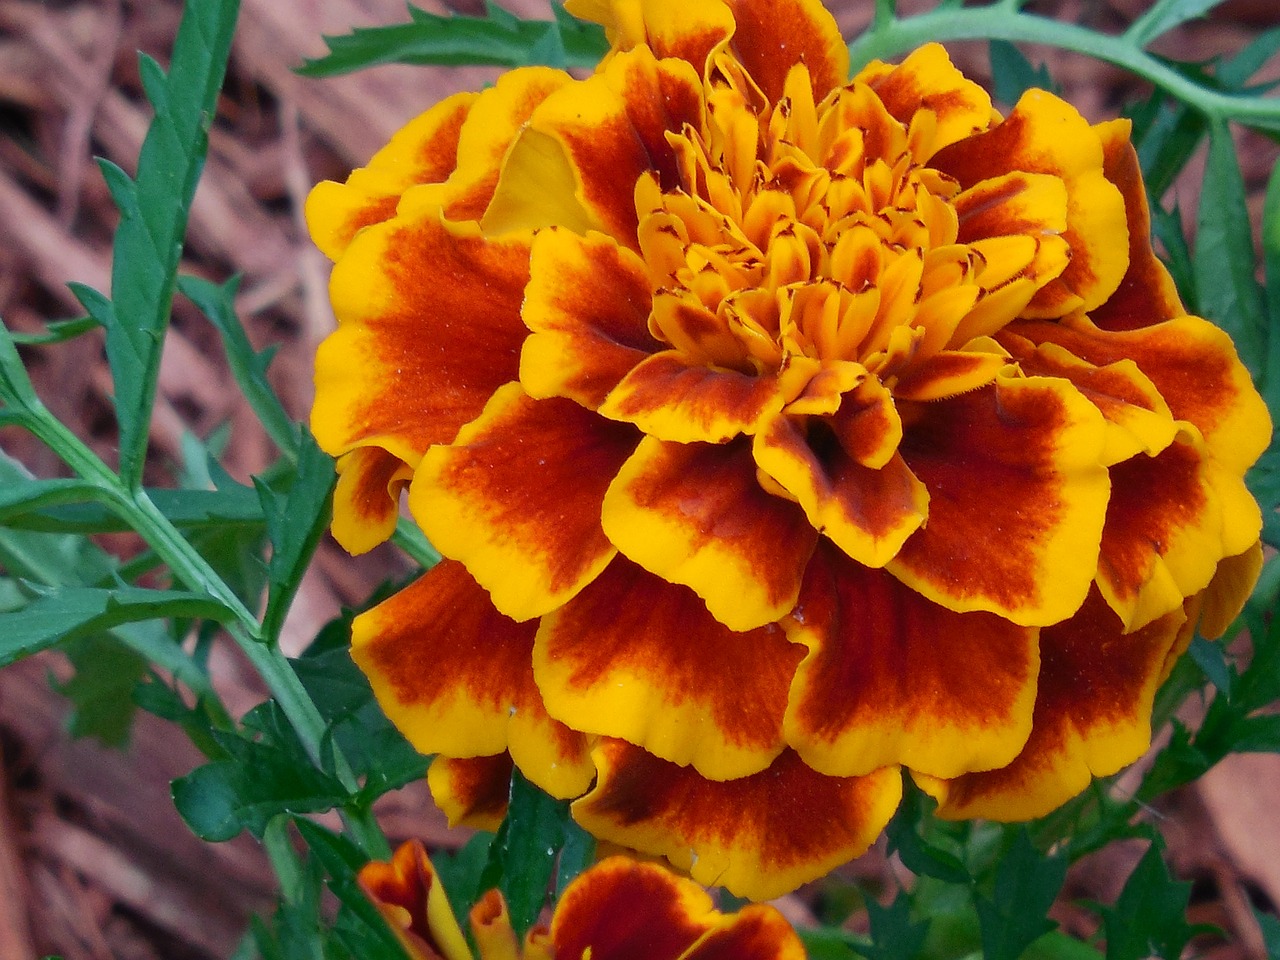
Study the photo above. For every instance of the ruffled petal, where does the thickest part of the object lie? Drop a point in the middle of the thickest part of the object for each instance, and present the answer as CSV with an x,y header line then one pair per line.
x,y
425,150
756,932
1138,419
893,678
674,398
1044,134
1147,294
597,138
409,896
1017,499
927,80
609,662
491,928
1227,592
687,30
760,836
622,909
588,304
868,512
1180,357
456,677
1092,716
403,285
366,500
694,513
517,498
1163,537
472,791
771,35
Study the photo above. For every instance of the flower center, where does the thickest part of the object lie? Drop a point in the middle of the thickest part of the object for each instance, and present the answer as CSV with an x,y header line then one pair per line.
x,y
816,231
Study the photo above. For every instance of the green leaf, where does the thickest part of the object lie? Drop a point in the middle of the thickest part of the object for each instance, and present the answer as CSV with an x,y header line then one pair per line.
x,y
1163,17
1271,264
153,217
523,856
296,520
57,331
498,38
101,690
1027,883
894,935
342,860
1166,133
248,366
577,852
266,776
462,872
1234,72
1211,658
1012,74
1224,262
59,614
1167,227
1150,917
1270,927
916,852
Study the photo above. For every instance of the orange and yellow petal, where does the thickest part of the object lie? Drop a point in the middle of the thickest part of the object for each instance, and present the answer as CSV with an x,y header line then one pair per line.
x,y
622,909
425,150
1180,357
587,305
366,500
516,497
1045,135
1163,537
685,29
641,659
1092,716
429,327
891,678
927,80
456,677
868,512
771,35
759,836
1028,553
577,163
409,896
1147,294
472,791
695,514
496,119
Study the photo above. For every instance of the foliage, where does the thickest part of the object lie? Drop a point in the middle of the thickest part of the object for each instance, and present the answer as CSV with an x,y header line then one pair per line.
x,y
320,743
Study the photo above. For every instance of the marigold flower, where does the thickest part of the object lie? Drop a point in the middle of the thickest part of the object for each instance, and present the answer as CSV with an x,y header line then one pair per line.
x,y
782,432
617,909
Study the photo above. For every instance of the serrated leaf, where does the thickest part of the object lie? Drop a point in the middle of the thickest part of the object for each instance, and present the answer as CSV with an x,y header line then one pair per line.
x,y
1012,74
101,690
917,854
264,778
1150,917
498,39
577,852
296,519
56,331
1226,291
342,860
1211,658
894,935
60,614
1163,16
248,366
1027,883
153,217
523,855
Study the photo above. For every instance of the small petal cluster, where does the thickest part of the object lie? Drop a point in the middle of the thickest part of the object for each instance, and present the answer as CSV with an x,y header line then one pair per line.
x,y
617,910
782,432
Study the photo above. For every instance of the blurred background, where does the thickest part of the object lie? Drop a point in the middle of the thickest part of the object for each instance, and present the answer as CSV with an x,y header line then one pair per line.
x,y
94,862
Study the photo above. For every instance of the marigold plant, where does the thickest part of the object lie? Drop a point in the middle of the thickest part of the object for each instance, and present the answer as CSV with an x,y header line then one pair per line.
x,y
781,431
801,453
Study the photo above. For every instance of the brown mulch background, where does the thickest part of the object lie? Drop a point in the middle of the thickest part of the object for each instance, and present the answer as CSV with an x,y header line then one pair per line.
x,y
94,862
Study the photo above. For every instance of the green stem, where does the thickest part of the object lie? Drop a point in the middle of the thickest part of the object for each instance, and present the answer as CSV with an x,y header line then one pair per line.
x,y
1000,22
